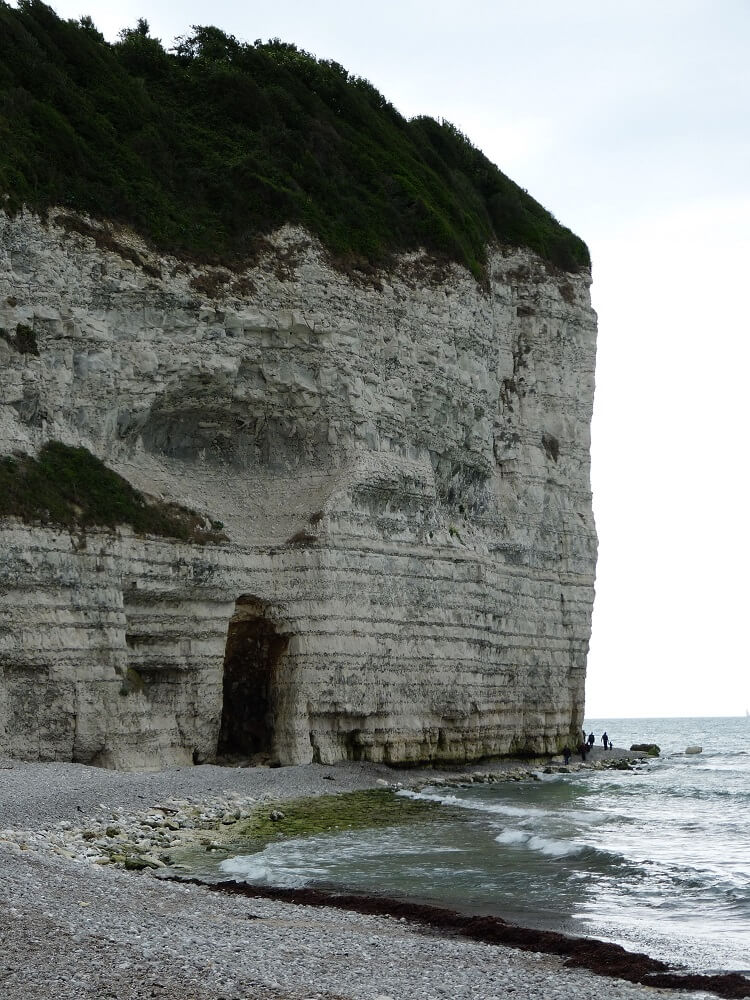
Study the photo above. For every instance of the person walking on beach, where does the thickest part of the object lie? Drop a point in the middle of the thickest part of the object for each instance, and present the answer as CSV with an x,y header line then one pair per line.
x,y
592,740
583,750
566,753
605,740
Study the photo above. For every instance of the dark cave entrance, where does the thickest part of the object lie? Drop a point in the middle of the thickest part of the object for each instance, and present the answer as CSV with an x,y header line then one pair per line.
x,y
254,649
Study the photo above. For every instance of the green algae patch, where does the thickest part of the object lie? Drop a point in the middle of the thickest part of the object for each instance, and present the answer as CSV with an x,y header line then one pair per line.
x,y
329,814
204,849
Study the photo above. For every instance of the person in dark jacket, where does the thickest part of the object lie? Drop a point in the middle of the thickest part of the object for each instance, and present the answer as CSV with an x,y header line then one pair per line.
x,y
605,740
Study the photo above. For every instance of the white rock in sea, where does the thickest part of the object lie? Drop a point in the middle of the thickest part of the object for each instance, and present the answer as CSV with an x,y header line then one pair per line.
x,y
693,749
401,469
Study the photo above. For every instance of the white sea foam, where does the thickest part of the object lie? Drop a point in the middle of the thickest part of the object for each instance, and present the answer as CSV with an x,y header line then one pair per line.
x,y
553,848
261,870
543,845
509,836
475,805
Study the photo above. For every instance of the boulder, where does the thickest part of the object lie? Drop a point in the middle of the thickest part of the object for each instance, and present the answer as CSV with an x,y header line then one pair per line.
x,y
650,748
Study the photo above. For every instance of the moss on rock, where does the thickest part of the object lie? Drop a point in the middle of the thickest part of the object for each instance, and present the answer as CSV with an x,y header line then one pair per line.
x,y
74,489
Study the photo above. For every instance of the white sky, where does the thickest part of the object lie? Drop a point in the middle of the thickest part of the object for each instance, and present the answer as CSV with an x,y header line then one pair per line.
x,y
628,119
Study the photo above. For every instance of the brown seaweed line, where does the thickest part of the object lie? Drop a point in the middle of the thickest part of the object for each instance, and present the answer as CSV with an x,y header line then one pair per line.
x,y
601,957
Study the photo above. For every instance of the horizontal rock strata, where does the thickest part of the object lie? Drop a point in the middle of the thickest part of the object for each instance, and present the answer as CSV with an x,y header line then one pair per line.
x,y
400,465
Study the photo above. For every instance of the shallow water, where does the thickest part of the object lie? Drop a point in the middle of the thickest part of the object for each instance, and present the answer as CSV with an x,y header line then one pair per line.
x,y
657,860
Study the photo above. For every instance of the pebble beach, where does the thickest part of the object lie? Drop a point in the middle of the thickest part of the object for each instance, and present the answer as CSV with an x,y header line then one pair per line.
x,y
76,923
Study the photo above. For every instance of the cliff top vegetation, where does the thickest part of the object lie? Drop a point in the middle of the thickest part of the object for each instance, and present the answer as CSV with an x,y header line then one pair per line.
x,y
204,147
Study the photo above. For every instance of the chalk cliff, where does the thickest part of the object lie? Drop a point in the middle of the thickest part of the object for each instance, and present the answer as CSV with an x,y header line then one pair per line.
x,y
400,463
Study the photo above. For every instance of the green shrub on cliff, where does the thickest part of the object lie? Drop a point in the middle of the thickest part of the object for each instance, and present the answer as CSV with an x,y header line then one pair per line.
x,y
208,146
71,488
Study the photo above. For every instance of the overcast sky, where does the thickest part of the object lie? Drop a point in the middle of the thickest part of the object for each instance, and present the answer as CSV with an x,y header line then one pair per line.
x,y
629,121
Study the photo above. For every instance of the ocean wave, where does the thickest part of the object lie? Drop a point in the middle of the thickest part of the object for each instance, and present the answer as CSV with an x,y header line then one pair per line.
x,y
261,870
707,793
298,861
542,845
474,805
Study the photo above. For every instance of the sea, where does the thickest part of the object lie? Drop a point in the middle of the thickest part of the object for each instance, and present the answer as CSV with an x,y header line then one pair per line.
x,y
656,859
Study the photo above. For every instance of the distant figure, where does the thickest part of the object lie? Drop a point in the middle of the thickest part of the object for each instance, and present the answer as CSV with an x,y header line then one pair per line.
x,y
605,740
583,750
592,740
566,753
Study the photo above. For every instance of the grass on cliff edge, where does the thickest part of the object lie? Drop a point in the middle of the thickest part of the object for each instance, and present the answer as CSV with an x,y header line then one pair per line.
x,y
206,147
72,488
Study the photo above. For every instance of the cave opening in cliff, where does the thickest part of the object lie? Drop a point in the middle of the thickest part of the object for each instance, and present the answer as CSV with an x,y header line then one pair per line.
x,y
251,663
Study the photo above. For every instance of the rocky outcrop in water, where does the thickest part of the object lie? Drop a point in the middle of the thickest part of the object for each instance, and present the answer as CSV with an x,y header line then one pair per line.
x,y
399,463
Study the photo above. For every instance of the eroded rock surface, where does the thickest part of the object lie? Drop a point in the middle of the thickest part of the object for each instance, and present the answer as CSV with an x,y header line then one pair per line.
x,y
401,467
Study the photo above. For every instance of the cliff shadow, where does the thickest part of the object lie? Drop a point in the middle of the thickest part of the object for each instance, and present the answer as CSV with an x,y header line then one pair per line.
x,y
254,652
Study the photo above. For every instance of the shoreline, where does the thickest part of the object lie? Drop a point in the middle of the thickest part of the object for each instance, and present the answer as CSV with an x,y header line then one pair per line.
x,y
53,889
601,957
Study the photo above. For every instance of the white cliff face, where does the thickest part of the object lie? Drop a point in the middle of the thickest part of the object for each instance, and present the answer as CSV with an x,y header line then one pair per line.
x,y
402,470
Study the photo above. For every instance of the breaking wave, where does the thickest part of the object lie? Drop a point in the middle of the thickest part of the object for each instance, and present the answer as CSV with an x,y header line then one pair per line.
x,y
259,869
533,842
475,805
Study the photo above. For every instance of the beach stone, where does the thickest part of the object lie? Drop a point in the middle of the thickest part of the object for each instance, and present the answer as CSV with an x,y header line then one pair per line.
x,y
138,863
